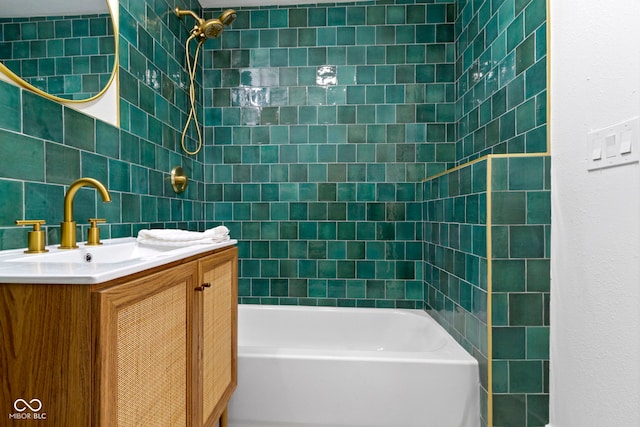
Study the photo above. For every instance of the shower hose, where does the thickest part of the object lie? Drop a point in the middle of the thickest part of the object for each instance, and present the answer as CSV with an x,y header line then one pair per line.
x,y
191,69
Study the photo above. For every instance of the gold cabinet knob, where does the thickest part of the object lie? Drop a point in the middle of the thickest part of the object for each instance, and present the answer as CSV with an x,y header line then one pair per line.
x,y
37,239
93,235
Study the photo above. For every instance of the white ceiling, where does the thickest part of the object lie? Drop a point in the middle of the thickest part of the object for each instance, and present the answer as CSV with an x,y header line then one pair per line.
x,y
22,8
216,4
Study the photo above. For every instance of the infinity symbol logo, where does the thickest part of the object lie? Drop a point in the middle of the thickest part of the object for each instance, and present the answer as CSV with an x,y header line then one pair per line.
x,y
21,405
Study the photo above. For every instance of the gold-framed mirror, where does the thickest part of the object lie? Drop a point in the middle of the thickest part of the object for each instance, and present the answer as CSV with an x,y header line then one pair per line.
x,y
65,50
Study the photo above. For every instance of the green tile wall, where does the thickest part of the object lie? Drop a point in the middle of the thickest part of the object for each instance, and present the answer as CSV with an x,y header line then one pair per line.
x,y
456,259
501,77
46,146
501,108
67,56
459,270
321,122
520,229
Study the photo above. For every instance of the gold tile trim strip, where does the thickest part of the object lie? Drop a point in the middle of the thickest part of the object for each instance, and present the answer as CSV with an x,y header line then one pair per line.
x,y
548,24
489,295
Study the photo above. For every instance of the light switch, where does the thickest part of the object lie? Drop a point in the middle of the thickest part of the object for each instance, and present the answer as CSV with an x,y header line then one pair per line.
x,y
610,145
625,142
614,145
596,154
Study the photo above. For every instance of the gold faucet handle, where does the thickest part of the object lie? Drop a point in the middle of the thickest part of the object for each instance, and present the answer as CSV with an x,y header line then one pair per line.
x,y
93,235
37,238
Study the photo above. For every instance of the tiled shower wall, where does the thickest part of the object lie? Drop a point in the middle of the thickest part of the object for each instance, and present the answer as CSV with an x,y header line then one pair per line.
x,y
67,56
45,146
456,259
486,254
501,77
322,120
487,223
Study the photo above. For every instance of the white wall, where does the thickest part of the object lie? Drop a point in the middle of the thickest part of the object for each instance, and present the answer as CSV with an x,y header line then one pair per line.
x,y
595,242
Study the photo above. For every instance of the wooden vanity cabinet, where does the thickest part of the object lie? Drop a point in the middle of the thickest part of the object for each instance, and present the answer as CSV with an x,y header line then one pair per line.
x,y
154,349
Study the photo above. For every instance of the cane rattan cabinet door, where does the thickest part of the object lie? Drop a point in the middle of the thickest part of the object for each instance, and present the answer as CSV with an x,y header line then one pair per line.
x,y
215,319
144,347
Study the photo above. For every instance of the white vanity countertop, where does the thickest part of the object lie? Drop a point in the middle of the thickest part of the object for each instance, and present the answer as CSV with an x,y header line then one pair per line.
x,y
113,259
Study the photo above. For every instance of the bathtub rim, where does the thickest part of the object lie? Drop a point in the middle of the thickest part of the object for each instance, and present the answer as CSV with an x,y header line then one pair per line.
x,y
451,353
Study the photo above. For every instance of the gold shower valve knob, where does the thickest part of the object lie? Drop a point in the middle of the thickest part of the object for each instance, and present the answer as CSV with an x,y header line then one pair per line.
x,y
37,239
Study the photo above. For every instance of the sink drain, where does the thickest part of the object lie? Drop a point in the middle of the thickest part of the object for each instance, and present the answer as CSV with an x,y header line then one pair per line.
x,y
88,257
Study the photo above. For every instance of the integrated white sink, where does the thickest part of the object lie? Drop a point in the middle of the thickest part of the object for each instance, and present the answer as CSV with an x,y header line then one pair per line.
x,y
93,264
108,254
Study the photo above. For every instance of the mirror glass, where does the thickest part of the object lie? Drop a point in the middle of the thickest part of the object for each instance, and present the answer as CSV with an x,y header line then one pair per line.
x,y
64,49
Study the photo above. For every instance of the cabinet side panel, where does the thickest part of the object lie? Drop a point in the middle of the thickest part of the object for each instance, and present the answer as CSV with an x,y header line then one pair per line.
x,y
45,355
151,359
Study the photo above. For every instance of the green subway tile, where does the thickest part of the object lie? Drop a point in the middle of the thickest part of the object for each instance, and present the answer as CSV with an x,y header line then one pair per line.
x,y
537,409
337,16
15,149
317,16
119,176
374,288
97,167
525,377
416,14
327,36
509,275
509,342
527,241
538,275
13,201
42,118
538,343
509,410
327,269
79,130
525,309
44,201
536,78
62,164
10,111
509,207
538,207
535,15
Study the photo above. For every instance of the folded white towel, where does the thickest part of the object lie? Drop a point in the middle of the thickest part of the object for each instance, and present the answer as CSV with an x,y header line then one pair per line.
x,y
168,237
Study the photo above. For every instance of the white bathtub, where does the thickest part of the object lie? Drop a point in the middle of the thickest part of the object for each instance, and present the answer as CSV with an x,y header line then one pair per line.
x,y
338,367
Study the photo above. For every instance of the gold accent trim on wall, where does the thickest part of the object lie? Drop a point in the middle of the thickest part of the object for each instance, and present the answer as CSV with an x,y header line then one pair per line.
x,y
489,295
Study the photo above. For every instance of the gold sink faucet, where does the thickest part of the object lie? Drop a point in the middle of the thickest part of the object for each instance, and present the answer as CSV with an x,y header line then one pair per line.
x,y
68,226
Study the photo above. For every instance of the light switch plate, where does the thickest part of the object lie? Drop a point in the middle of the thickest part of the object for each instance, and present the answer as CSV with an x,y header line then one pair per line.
x,y
614,146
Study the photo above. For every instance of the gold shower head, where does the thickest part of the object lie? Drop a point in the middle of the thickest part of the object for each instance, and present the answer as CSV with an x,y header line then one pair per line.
x,y
227,17
209,28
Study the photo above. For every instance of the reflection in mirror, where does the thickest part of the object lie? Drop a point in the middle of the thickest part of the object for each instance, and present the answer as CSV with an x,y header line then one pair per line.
x,y
65,49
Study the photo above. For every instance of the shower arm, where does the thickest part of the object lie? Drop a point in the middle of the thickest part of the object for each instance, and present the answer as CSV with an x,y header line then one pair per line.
x,y
182,12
